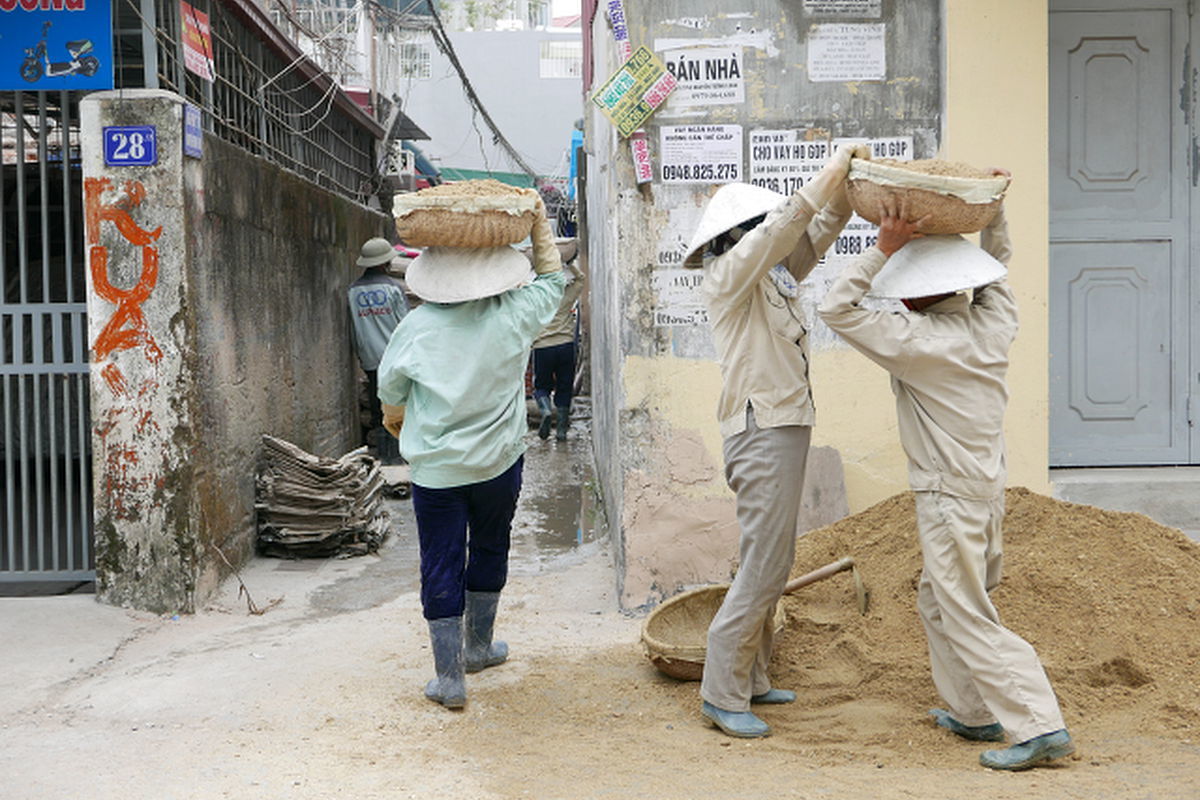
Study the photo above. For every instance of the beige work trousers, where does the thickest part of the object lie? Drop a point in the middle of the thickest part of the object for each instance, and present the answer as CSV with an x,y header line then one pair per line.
x,y
984,672
765,469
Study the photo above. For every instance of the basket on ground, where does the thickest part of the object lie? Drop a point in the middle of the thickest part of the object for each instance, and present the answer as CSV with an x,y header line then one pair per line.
x,y
957,197
475,213
675,634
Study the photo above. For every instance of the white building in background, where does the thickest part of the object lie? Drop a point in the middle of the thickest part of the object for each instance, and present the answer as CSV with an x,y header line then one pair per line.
x,y
527,81
500,101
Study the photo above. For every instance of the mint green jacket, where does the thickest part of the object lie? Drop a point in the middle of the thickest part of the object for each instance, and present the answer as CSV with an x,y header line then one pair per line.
x,y
459,370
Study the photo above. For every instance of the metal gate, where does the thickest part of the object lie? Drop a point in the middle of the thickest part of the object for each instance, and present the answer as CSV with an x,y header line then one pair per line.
x,y
45,451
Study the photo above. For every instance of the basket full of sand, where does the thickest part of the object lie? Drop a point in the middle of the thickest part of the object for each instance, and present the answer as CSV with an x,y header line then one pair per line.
x,y
957,197
475,213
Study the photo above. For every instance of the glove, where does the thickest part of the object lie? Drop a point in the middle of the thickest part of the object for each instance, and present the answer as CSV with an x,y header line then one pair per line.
x,y
820,190
546,258
393,419
839,204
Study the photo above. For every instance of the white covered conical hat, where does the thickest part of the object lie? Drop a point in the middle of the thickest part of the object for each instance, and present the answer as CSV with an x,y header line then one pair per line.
x,y
731,205
457,274
935,265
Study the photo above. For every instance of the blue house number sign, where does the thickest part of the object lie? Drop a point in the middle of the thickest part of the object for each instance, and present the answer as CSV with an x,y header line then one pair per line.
x,y
130,145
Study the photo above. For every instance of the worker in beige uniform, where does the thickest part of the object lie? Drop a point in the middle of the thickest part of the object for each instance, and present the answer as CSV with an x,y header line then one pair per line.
x,y
752,271
554,352
947,357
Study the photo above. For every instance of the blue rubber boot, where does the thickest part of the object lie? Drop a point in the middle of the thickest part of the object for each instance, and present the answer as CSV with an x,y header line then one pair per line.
x,y
774,697
481,652
976,733
742,724
1039,750
543,403
449,687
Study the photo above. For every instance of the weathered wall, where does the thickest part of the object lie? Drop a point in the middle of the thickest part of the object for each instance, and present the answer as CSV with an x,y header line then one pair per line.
x,y
271,257
228,322
655,428
996,114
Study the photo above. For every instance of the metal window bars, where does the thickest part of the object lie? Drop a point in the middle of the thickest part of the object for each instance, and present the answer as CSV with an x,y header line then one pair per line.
x,y
267,97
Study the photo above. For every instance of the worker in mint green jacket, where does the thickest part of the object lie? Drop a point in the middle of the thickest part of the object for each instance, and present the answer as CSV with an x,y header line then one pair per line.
x,y
452,385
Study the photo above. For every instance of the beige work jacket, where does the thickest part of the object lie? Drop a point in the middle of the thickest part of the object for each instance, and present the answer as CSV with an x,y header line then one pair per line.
x,y
948,368
759,328
562,328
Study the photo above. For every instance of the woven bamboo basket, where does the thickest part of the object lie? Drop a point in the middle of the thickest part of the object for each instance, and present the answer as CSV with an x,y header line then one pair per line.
x,y
476,213
675,634
957,197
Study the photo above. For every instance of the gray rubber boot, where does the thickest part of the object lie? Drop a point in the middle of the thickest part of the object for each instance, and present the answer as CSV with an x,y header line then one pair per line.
x,y
449,687
543,404
564,422
481,651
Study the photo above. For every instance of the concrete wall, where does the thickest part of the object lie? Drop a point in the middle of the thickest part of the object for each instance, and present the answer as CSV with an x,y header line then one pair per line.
x,y
536,114
217,313
954,72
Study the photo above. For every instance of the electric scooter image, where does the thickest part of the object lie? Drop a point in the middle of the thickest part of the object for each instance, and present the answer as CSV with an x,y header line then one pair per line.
x,y
37,60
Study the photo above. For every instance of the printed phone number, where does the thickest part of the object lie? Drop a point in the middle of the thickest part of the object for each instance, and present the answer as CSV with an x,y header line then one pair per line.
x,y
700,172
782,185
853,245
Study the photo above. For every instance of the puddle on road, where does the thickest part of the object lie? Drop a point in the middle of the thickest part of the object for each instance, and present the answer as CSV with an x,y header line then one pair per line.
x,y
556,516
555,526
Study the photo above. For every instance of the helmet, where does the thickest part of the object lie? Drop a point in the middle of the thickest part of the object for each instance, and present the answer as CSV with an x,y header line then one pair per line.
x,y
375,252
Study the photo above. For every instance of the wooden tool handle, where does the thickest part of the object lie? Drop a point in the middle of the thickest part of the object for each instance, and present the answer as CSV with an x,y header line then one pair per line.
x,y
840,565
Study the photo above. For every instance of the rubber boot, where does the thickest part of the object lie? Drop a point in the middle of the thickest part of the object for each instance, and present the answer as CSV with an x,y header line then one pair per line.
x,y
564,422
449,687
977,733
543,403
1039,750
481,651
773,697
742,724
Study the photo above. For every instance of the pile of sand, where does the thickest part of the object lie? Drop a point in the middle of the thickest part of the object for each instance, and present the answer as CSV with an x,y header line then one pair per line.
x,y
1109,600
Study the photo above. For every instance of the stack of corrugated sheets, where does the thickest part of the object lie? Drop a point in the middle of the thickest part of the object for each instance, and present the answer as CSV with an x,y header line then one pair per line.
x,y
309,506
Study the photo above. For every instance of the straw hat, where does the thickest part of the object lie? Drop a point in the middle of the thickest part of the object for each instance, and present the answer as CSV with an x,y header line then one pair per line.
x,y
731,205
935,265
457,274
375,252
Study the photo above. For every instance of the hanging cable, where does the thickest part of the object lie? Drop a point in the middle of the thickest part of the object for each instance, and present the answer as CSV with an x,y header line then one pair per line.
x,y
442,40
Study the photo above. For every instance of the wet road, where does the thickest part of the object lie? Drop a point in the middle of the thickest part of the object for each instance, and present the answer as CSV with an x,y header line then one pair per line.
x,y
556,526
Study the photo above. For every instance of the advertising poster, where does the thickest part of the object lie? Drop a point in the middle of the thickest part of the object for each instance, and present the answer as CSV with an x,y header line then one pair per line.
x,y
785,160
846,53
679,299
55,46
707,76
630,96
701,153
197,42
844,8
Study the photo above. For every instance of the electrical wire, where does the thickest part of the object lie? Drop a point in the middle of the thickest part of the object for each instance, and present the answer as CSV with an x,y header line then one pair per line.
x,y
442,39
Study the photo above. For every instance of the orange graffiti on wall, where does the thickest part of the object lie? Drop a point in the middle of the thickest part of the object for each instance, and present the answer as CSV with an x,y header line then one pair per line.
x,y
127,328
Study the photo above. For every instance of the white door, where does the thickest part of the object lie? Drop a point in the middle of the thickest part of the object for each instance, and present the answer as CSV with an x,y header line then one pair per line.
x,y
1121,308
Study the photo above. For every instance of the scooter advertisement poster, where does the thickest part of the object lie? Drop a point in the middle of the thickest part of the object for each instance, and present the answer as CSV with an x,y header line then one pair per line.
x,y
51,45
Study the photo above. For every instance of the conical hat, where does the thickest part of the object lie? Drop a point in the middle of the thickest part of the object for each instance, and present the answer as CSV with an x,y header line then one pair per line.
x,y
935,265
731,205
457,274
